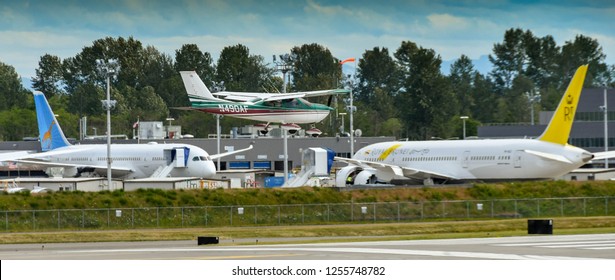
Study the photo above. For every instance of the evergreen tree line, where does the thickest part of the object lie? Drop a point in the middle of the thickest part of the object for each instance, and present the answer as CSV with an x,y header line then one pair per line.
x,y
403,94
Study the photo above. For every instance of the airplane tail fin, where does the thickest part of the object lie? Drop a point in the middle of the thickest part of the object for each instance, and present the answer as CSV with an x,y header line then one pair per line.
x,y
50,133
559,127
195,87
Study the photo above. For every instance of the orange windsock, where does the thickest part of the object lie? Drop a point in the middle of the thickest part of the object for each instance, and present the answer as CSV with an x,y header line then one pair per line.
x,y
347,60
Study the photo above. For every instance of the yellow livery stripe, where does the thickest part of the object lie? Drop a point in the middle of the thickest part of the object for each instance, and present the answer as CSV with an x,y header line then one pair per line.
x,y
388,151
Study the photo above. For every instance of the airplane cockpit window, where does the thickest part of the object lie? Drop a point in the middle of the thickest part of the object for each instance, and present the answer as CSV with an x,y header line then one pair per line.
x,y
200,158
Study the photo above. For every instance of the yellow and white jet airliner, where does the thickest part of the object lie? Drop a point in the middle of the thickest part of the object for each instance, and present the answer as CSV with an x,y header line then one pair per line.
x,y
548,156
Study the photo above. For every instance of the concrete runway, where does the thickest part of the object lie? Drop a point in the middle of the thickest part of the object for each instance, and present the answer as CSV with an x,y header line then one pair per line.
x,y
558,247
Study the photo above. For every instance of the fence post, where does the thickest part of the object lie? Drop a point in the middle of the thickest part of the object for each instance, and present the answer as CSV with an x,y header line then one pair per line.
x,y
33,220
182,216
398,213
82,218
279,216
561,205
467,209
231,207
206,217
59,218
374,212
255,219
302,214
328,213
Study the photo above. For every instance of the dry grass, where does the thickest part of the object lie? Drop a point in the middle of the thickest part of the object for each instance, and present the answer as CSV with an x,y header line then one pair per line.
x,y
392,231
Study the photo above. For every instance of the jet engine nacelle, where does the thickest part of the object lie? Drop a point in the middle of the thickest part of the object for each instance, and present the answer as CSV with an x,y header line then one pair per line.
x,y
365,177
343,175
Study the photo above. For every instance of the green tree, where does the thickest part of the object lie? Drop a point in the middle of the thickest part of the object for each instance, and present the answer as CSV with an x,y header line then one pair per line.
x,y
12,93
48,75
241,71
584,50
509,58
426,102
462,78
314,68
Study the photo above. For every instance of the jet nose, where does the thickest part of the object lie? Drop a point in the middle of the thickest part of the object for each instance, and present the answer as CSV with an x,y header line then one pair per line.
x,y
209,170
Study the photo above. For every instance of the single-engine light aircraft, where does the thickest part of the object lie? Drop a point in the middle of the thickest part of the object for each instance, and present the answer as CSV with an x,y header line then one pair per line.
x,y
284,108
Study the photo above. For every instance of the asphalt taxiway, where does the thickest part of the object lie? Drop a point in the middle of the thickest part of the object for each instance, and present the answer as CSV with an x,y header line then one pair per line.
x,y
549,247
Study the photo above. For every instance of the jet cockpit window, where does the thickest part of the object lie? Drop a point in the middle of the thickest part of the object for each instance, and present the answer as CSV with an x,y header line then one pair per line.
x,y
200,158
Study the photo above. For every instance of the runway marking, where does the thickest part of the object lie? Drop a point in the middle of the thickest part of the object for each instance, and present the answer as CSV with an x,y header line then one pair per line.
x,y
590,245
244,257
434,253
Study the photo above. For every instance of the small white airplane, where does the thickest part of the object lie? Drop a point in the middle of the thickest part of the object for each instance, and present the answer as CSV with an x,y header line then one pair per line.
x,y
285,108
129,161
443,161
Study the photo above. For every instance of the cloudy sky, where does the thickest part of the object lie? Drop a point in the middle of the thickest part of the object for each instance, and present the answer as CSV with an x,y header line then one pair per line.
x,y
32,28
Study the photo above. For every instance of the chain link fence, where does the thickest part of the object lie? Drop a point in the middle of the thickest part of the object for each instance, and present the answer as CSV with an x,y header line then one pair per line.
x,y
300,214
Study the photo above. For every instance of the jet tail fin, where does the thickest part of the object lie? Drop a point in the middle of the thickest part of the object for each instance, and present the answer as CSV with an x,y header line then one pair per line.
x,y
560,125
50,133
195,87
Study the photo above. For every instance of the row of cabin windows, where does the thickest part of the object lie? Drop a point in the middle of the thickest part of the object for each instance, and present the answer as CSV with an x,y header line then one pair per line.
x,y
449,158
114,158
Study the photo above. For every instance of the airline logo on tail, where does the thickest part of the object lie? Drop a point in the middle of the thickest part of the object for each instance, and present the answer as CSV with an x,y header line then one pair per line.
x,y
559,128
47,137
50,133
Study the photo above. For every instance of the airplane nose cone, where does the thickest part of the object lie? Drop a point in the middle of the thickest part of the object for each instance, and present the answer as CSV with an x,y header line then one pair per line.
x,y
209,169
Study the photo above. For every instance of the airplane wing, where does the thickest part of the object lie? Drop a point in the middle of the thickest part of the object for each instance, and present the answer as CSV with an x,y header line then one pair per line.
x,y
251,96
407,172
24,155
230,153
39,159
100,169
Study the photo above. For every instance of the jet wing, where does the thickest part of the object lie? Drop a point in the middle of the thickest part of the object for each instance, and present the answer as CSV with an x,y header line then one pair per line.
x,y
100,169
229,153
27,155
407,172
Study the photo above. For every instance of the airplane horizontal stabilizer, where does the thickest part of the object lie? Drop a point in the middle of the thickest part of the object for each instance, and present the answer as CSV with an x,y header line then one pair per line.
x,y
603,155
549,156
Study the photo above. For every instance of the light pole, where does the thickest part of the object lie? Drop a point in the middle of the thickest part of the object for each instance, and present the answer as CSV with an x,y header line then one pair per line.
x,y
464,118
284,66
606,129
169,127
342,127
218,117
351,108
108,68
532,97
